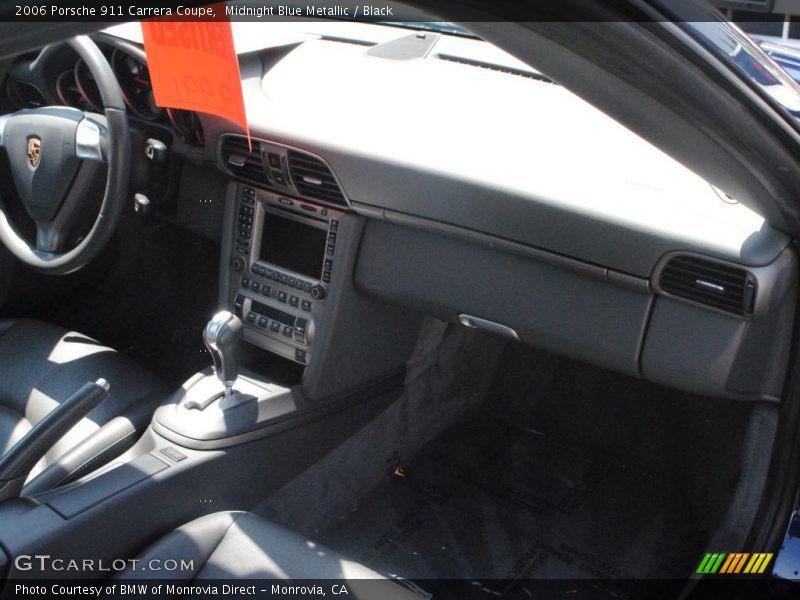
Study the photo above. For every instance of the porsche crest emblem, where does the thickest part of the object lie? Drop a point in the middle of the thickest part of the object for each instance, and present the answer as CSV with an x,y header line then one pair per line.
x,y
34,151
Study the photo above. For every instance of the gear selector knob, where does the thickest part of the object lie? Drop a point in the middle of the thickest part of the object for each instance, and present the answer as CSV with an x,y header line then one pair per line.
x,y
220,336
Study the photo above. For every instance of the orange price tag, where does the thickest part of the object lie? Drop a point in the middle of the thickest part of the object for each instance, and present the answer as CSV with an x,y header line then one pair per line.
x,y
193,66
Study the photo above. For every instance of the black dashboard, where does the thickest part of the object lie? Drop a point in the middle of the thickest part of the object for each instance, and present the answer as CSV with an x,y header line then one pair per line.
x,y
556,226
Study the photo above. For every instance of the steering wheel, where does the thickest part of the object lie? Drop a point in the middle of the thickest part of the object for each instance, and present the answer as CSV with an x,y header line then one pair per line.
x,y
55,154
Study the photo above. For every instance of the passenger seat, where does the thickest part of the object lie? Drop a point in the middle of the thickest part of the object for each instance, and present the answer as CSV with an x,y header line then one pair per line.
x,y
241,545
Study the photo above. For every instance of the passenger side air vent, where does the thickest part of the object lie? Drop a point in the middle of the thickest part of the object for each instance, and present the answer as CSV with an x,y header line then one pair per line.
x,y
711,283
313,179
24,95
241,162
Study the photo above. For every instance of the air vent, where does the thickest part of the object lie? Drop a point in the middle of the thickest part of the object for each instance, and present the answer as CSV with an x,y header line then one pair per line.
x,y
242,162
494,67
711,283
24,95
313,179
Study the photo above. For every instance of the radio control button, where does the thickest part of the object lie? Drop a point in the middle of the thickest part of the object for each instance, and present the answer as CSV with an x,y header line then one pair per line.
x,y
300,356
275,326
287,331
306,305
245,282
282,297
251,317
238,305
255,286
262,322
266,290
293,300
318,292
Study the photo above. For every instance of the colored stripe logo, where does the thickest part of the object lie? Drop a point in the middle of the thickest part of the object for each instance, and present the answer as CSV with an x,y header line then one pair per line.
x,y
734,563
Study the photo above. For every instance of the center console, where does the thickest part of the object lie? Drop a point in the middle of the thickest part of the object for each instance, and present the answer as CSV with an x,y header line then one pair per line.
x,y
290,250
282,257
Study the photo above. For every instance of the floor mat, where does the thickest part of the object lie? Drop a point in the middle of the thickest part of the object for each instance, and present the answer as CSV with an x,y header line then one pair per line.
x,y
567,472
449,371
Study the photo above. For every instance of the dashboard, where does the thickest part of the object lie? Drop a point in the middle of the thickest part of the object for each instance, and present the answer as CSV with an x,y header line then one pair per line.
x,y
463,185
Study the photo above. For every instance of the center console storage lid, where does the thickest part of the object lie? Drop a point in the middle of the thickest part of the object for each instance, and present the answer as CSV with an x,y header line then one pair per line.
x,y
75,501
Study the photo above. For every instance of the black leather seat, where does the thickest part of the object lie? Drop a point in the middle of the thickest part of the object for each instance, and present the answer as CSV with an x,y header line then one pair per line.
x,y
241,545
42,365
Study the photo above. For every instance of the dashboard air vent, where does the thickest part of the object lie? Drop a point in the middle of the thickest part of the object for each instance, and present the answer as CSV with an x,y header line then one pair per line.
x,y
492,67
24,95
718,285
242,162
313,179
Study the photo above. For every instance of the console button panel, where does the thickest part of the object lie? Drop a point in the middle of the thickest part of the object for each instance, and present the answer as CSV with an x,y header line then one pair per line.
x,y
281,306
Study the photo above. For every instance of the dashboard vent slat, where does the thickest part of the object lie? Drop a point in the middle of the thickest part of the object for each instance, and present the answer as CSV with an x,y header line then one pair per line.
x,y
313,179
708,282
493,67
243,162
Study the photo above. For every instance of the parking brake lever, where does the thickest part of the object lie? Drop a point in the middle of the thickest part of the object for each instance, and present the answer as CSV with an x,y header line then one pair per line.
x,y
17,463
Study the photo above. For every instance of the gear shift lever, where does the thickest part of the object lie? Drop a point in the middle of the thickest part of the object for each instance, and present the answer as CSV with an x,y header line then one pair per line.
x,y
220,336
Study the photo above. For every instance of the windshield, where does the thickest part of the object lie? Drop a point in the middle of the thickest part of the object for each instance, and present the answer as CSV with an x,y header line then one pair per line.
x,y
749,60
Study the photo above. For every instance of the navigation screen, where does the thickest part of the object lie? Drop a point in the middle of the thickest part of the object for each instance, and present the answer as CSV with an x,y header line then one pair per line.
x,y
293,245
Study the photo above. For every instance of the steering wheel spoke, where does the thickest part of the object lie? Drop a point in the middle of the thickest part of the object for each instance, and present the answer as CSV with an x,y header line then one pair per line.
x,y
48,238
91,139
